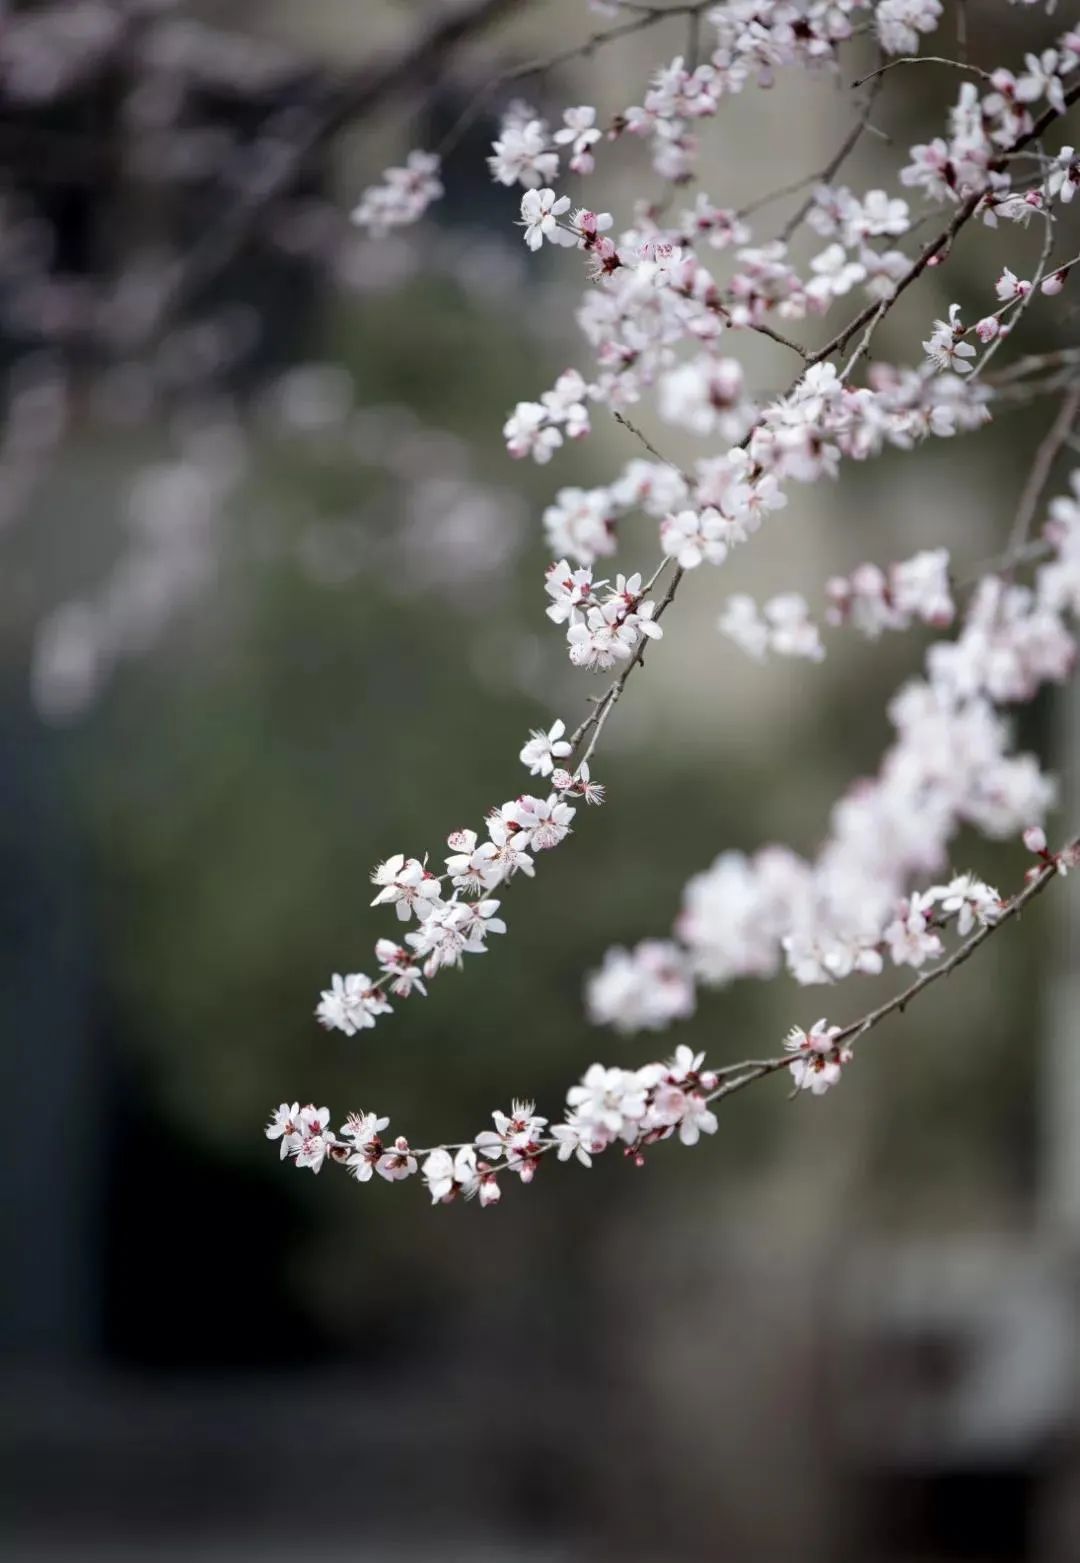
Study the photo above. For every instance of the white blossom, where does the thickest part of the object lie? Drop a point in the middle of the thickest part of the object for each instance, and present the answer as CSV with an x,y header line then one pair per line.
x,y
406,885
641,990
540,213
819,1059
543,749
692,538
351,1004
522,154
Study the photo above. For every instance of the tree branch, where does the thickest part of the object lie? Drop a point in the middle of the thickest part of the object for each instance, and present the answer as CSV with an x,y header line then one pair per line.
x,y
1041,468
854,1032
963,214
736,1077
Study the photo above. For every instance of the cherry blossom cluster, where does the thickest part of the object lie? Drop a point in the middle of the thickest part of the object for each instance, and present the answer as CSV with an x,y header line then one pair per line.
x,y
636,323
537,429
870,599
402,197
783,625
526,152
753,41
915,589
454,911
819,1057
948,347
633,1109
912,937
656,292
968,161
605,622
737,491
643,989
581,524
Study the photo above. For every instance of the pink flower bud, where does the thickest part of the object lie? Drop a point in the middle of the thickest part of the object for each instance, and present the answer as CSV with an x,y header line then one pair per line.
x,y
1035,838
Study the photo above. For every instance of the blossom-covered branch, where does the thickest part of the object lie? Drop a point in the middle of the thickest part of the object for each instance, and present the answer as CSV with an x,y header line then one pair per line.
x,y
632,1109
657,322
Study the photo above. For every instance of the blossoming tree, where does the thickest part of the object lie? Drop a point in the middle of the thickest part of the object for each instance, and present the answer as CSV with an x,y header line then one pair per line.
x,y
672,287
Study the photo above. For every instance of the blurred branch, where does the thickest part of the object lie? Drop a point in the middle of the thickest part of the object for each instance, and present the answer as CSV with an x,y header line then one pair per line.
x,y
1041,468
598,717
923,59
352,101
645,17
832,167
1035,363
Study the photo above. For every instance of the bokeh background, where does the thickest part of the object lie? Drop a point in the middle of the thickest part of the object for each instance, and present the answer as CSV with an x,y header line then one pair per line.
x,y
270,611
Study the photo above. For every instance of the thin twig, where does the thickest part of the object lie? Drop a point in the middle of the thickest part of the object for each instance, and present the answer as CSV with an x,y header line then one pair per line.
x,y
352,101
923,59
1005,563
900,1001
867,336
1024,303
693,41
1034,363
827,174
649,446
1041,468
819,175
776,336
607,705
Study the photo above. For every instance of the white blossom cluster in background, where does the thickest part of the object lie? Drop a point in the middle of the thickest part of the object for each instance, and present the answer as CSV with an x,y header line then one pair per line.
x,y
915,590
403,196
672,288
457,530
